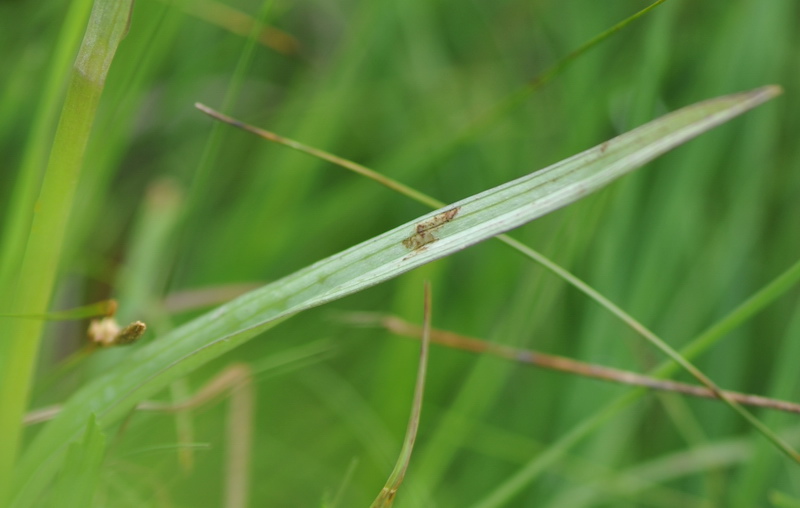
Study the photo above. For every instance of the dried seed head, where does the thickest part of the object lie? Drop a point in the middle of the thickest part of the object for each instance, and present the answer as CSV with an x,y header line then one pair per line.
x,y
102,331
130,333
106,332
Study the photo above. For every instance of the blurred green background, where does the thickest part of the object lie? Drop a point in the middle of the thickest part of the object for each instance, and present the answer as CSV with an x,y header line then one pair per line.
x,y
171,201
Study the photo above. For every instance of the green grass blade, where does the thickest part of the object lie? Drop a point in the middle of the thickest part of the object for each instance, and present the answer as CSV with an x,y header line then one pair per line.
x,y
19,342
17,221
404,248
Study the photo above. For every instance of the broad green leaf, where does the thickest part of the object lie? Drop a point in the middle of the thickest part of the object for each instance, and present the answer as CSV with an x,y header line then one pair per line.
x,y
430,237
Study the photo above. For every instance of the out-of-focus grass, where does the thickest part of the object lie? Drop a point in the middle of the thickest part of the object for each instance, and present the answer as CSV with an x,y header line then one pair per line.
x,y
387,84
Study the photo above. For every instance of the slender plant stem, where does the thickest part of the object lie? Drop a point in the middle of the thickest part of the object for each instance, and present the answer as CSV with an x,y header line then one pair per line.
x,y
326,156
386,496
562,364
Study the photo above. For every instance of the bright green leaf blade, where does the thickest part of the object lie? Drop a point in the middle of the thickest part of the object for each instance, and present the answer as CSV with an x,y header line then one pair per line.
x,y
36,272
455,228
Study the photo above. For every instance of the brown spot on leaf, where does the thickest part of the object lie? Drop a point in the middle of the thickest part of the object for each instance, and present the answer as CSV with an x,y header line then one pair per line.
x,y
424,230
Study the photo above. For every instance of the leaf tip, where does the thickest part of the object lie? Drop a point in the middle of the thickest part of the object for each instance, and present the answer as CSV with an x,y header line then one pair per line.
x,y
767,92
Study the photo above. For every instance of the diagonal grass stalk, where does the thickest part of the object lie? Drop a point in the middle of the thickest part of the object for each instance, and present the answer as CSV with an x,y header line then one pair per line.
x,y
453,340
539,258
430,237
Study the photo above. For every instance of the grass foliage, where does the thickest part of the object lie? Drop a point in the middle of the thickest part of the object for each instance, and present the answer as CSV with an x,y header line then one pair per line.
x,y
701,248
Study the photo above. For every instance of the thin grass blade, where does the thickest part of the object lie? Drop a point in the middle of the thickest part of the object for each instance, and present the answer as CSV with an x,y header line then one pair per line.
x,y
386,496
35,273
97,309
